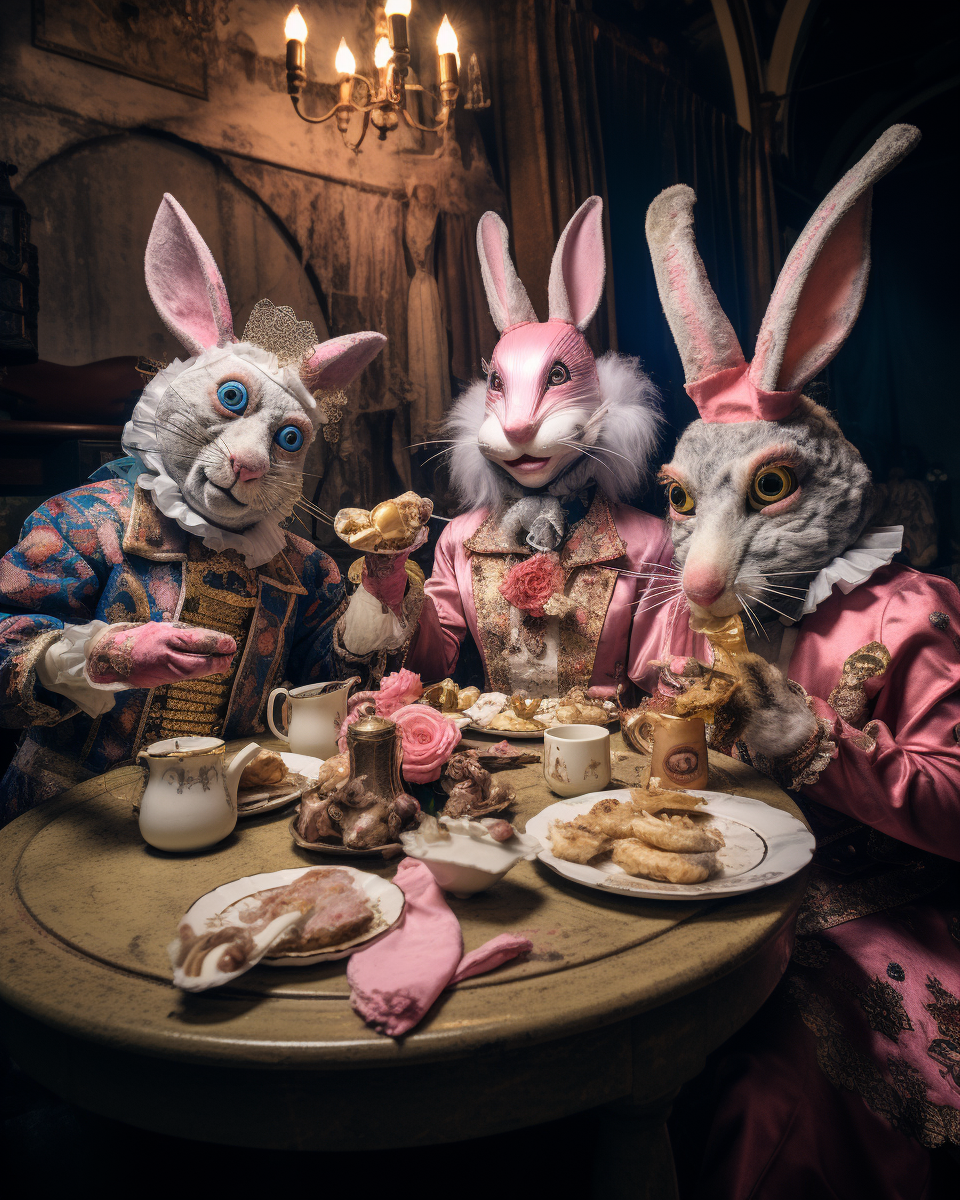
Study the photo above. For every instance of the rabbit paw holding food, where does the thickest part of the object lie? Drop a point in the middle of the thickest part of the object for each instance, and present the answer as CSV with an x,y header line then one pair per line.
x,y
778,719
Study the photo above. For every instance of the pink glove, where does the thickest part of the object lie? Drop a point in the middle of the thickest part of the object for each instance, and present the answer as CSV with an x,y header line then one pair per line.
x,y
385,573
157,652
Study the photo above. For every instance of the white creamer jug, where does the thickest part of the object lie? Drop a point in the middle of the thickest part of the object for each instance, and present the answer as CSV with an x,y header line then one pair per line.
x,y
316,714
190,800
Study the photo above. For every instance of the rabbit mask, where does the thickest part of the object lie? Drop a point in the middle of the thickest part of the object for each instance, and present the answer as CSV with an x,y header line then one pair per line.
x,y
549,414
223,435
764,490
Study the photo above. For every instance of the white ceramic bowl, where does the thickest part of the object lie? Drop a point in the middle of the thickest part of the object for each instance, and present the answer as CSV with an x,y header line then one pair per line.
x,y
470,860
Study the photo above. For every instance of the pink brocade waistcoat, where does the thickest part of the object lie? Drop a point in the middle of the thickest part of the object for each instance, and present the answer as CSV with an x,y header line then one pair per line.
x,y
615,634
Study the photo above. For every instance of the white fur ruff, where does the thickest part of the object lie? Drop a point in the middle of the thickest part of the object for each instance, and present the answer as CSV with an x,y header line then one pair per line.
x,y
261,542
628,432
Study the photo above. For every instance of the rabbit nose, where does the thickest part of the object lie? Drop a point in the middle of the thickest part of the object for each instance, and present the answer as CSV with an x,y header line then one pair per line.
x,y
703,584
519,431
245,473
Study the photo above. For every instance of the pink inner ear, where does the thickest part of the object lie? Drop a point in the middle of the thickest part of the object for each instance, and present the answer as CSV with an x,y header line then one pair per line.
x,y
184,281
584,265
337,362
494,250
830,300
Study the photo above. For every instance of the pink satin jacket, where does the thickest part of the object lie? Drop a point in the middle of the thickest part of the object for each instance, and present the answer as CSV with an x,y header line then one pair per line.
x,y
616,634
897,765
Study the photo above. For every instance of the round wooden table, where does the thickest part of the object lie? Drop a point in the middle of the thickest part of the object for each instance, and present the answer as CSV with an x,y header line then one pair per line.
x,y
618,1003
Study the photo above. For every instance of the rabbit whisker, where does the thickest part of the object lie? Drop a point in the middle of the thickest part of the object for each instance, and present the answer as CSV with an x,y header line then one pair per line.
x,y
749,612
790,594
772,609
600,450
651,607
764,574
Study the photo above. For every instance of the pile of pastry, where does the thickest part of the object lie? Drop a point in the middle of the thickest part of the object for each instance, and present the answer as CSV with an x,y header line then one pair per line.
x,y
521,714
393,525
656,834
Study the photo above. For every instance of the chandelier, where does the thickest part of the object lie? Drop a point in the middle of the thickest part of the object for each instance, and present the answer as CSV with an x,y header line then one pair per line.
x,y
386,97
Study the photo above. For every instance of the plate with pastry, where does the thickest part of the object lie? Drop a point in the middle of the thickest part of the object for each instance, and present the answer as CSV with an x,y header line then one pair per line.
x,y
290,918
671,845
273,780
521,716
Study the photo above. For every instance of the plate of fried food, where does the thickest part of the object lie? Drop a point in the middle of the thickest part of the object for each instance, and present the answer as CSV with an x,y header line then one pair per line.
x,y
520,716
670,845
290,918
273,780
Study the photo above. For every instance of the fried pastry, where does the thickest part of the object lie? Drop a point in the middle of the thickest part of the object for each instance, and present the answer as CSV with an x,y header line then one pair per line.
x,y
653,799
573,843
678,833
268,767
509,720
613,818
637,858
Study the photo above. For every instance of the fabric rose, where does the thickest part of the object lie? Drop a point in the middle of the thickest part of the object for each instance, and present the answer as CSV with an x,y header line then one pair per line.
x,y
530,584
396,690
428,741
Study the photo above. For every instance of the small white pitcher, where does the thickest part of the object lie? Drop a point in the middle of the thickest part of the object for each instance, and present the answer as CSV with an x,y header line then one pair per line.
x,y
190,800
316,714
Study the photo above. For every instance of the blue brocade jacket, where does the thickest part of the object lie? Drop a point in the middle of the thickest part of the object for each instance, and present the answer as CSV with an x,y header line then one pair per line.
x,y
103,551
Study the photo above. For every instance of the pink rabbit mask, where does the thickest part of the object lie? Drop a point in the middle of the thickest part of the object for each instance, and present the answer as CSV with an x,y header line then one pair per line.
x,y
543,388
224,434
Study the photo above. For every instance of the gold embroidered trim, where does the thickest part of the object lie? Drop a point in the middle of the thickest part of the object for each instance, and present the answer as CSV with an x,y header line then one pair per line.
x,y
849,698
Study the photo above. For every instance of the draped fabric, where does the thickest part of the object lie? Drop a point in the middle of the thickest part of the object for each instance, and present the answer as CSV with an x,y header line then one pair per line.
x,y
580,112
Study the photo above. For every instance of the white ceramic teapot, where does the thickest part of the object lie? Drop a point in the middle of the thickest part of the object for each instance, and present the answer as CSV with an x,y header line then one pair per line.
x,y
190,800
317,711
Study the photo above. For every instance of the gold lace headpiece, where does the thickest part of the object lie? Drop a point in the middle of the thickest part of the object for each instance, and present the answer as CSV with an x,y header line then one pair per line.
x,y
278,330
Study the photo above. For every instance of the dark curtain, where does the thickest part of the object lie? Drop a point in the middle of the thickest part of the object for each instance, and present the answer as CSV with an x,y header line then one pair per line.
x,y
579,112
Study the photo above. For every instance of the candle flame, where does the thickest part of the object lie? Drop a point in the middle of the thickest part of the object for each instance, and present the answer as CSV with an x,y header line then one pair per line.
x,y
397,6
447,39
345,63
295,29
382,53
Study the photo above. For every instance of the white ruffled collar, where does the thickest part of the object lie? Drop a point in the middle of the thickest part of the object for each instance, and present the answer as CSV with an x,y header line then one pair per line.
x,y
875,548
261,542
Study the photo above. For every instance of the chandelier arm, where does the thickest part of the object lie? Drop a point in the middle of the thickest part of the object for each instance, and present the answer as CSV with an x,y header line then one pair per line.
x,y
295,101
355,146
442,120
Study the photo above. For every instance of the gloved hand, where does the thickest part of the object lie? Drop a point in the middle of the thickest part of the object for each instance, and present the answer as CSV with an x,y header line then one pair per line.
x,y
779,721
157,652
385,573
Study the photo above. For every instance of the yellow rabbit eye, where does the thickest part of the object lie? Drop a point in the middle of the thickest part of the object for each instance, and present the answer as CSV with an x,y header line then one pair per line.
x,y
680,499
771,484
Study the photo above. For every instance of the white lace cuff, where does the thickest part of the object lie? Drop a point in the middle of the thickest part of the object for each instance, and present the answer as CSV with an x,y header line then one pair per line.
x,y
63,670
369,625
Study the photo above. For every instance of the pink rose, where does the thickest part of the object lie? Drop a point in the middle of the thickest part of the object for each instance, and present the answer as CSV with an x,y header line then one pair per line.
x,y
428,741
396,690
530,584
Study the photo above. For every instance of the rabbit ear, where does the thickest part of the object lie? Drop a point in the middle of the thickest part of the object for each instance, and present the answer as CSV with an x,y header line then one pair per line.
x,y
579,267
506,295
700,328
184,282
338,361
821,287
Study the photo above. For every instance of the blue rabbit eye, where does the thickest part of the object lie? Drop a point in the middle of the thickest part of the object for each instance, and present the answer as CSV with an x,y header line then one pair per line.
x,y
289,438
232,395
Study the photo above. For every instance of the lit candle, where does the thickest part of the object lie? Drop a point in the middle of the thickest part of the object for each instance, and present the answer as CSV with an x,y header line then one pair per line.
x,y
449,61
295,31
382,53
396,12
346,66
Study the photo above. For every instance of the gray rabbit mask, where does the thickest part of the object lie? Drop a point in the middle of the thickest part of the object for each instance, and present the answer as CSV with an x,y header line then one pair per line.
x,y
764,490
223,435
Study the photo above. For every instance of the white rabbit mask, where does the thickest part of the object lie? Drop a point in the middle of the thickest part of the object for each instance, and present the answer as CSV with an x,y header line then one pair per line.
x,y
764,490
224,434
550,418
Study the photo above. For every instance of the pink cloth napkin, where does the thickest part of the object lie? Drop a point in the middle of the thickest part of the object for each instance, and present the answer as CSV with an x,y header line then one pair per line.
x,y
394,983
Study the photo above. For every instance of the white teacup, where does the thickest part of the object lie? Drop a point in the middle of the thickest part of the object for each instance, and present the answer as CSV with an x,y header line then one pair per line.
x,y
576,759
